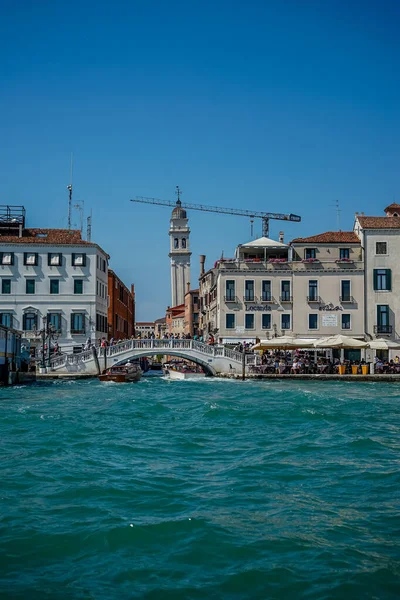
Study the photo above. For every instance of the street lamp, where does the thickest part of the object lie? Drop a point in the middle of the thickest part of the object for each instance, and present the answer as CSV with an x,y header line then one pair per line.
x,y
47,332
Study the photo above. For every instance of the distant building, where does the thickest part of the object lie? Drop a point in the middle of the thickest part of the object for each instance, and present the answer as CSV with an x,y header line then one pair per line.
x,y
179,254
145,328
191,323
175,319
160,327
121,308
52,274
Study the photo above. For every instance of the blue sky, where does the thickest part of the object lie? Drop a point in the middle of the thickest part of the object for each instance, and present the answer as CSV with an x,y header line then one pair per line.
x,y
281,105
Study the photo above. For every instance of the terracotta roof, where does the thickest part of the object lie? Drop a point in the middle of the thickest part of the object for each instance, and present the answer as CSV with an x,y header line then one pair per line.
x,y
330,237
379,222
179,316
46,236
392,206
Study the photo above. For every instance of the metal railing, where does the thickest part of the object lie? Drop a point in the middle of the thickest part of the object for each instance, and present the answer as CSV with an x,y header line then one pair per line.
x,y
313,298
386,329
347,299
250,298
286,298
231,298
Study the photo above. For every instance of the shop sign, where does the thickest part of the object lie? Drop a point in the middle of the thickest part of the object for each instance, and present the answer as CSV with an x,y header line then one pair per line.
x,y
330,307
260,307
329,320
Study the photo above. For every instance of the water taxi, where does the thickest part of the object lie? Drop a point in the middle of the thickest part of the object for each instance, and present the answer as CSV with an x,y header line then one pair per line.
x,y
122,374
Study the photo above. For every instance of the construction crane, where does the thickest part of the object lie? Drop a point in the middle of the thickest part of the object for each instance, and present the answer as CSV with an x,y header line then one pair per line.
x,y
265,216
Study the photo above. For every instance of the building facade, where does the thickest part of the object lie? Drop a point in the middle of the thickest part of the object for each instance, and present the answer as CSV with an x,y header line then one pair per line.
x,y
312,287
179,254
51,274
145,329
121,308
192,313
175,320
380,238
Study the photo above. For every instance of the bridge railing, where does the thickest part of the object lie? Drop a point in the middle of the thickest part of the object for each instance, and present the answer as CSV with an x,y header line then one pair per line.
x,y
162,345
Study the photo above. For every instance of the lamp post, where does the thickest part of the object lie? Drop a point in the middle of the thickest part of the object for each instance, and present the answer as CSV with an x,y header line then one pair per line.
x,y
47,332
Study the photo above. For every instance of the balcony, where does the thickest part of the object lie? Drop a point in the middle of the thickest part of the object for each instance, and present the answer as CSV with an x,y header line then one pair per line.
x,y
286,298
314,298
348,299
267,298
231,298
383,329
249,298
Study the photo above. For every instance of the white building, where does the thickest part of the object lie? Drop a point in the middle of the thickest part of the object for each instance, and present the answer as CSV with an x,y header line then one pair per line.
x,y
52,274
144,328
179,254
380,239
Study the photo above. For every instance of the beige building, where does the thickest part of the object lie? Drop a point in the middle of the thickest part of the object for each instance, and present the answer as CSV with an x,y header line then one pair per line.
x,y
312,287
381,242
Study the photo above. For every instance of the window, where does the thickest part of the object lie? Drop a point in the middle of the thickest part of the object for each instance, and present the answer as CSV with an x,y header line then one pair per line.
x,y
382,314
230,321
176,243
266,291
98,262
285,320
313,289
346,321
79,260
249,321
6,286
6,319
104,265
344,253
266,321
7,258
285,291
31,258
54,319
29,321
183,242
54,286
77,323
30,286
230,290
383,280
54,259
345,290
78,286
310,253
249,291
380,247
312,321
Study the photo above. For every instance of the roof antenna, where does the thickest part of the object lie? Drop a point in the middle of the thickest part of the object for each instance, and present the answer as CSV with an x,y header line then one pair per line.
x,y
69,188
251,228
89,227
338,211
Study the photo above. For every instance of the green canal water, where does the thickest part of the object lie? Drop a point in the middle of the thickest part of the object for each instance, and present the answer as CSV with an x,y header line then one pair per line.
x,y
207,489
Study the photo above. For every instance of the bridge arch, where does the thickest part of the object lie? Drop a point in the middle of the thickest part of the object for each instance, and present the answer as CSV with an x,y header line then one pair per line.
x,y
134,355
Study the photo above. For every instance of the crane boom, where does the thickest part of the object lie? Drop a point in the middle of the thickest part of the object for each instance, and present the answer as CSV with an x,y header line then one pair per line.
x,y
265,216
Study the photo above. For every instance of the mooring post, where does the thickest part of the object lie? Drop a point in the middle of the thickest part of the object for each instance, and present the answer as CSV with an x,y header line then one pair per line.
x,y
96,360
243,365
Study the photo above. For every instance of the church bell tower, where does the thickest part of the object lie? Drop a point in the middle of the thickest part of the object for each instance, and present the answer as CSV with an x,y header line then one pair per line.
x,y
179,252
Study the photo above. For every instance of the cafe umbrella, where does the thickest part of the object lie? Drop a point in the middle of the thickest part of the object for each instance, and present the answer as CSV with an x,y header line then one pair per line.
x,y
284,342
382,344
340,341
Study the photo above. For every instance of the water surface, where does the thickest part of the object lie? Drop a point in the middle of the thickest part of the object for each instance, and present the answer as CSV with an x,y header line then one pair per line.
x,y
204,489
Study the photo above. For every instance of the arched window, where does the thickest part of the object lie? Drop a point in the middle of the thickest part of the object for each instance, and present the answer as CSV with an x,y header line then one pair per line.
x,y
183,242
176,243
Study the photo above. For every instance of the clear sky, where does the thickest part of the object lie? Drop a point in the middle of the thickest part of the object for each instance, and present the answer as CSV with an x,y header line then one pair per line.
x,y
274,105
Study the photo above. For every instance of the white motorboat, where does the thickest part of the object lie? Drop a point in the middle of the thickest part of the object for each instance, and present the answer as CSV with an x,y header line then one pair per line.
x,y
179,373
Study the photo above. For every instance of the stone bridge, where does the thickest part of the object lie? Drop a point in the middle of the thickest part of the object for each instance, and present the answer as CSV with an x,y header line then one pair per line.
x,y
213,359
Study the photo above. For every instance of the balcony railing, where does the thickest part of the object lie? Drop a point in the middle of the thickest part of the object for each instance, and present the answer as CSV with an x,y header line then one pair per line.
x,y
346,298
286,298
249,298
314,298
230,298
386,329
267,298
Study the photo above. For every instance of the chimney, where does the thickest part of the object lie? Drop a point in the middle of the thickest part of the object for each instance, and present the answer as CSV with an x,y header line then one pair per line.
x,y
281,237
202,261
188,287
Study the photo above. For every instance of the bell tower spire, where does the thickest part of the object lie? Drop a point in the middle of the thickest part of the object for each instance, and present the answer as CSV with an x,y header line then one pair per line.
x,y
179,253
